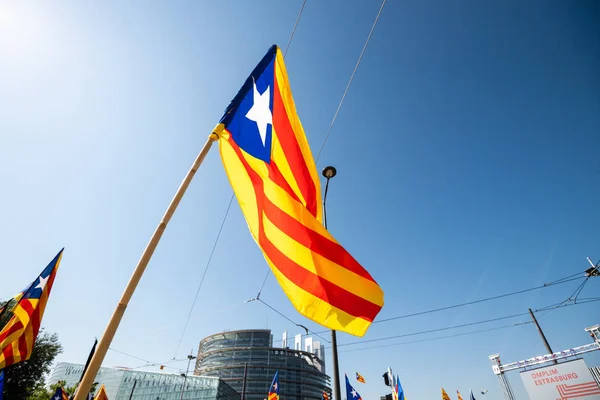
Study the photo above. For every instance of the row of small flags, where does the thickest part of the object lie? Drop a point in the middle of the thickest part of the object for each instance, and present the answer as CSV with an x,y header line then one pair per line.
x,y
61,394
446,397
351,393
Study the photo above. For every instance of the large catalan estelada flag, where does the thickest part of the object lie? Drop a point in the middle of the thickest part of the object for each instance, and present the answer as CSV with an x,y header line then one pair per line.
x,y
271,169
21,316
274,389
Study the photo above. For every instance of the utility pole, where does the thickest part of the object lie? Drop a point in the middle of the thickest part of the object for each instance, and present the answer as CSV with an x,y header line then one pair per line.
x,y
190,358
542,334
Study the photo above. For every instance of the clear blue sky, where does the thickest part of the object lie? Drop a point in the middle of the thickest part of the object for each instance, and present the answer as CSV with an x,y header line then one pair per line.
x,y
467,156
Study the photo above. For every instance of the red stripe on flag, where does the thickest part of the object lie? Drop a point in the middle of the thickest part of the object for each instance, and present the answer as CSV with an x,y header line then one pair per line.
x,y
8,356
25,304
313,240
36,318
23,350
292,152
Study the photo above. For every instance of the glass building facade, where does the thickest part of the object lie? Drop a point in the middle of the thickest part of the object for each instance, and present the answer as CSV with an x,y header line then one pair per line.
x,y
301,373
119,383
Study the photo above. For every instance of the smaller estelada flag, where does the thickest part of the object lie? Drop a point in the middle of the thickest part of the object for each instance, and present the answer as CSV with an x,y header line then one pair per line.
x,y
21,316
458,394
445,395
351,393
360,378
60,394
324,396
274,389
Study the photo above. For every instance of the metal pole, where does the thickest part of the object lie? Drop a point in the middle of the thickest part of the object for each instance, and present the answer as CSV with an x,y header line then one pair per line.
x,y
187,370
115,320
336,367
244,381
328,173
542,335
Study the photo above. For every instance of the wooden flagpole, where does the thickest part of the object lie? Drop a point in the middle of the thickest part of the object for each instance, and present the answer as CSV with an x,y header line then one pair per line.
x,y
111,328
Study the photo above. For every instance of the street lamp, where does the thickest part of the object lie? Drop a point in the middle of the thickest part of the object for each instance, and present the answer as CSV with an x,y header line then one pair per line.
x,y
329,172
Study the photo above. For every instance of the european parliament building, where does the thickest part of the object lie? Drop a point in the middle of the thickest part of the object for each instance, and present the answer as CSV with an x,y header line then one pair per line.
x,y
301,369
119,383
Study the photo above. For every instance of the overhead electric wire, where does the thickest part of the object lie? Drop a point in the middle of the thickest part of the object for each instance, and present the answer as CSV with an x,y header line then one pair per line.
x,y
467,303
290,320
359,342
287,47
434,330
227,211
360,57
148,363
514,293
212,252
439,337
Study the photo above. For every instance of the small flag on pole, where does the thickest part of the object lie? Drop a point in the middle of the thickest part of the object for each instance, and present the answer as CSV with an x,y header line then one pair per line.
x,y
272,171
101,395
458,394
60,394
274,389
21,317
351,393
324,396
399,390
360,378
445,395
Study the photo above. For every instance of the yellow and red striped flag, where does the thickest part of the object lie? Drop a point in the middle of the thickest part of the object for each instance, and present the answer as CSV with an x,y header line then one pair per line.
x,y
21,316
458,394
271,169
445,395
101,395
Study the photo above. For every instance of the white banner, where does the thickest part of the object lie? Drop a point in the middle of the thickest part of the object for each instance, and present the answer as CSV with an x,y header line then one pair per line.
x,y
564,381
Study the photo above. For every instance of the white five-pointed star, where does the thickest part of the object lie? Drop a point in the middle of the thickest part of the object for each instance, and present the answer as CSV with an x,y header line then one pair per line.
x,y
261,112
354,394
57,398
42,284
274,386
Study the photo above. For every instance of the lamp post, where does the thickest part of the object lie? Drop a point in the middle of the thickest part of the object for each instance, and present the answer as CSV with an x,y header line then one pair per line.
x,y
329,172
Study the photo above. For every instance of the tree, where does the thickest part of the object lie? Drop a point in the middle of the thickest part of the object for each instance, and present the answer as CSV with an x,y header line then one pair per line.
x,y
23,379
41,393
